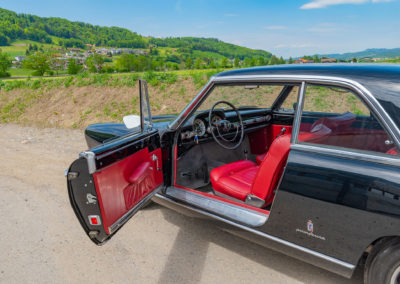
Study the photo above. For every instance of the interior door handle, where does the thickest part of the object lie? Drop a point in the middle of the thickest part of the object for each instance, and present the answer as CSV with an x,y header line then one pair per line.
x,y
155,159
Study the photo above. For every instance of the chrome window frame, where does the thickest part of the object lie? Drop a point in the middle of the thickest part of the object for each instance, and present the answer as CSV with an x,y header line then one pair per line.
x,y
362,92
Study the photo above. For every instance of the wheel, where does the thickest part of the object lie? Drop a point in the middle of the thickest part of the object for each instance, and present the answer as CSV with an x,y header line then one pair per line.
x,y
383,263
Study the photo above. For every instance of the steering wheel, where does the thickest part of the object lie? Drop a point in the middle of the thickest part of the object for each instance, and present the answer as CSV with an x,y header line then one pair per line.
x,y
223,127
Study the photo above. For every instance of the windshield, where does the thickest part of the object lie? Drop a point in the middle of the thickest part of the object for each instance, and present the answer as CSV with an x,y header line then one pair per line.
x,y
251,96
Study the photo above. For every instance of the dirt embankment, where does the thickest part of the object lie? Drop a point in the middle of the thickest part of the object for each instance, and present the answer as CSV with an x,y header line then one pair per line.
x,y
74,106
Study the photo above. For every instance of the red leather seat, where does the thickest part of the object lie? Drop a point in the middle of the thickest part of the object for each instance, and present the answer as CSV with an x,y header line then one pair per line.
x,y
260,158
244,179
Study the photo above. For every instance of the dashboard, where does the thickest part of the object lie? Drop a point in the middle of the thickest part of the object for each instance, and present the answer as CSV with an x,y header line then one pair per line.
x,y
198,127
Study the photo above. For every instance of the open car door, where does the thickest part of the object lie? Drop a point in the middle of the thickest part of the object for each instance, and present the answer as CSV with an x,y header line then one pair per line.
x,y
108,184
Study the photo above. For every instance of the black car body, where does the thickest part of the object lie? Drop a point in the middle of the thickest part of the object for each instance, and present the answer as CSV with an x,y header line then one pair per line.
x,y
305,180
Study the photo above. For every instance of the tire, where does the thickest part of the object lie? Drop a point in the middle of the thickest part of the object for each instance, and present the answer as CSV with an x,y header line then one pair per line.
x,y
383,263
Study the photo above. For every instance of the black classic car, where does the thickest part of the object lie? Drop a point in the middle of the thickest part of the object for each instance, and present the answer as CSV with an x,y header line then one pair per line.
x,y
303,159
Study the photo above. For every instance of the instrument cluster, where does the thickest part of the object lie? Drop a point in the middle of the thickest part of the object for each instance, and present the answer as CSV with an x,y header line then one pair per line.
x,y
200,128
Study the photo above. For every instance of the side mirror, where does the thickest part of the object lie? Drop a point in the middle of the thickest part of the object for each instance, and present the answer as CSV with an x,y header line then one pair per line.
x,y
132,121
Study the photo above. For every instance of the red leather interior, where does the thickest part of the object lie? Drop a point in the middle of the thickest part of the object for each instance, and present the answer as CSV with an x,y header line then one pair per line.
x,y
260,158
344,120
242,178
123,184
262,139
392,151
234,179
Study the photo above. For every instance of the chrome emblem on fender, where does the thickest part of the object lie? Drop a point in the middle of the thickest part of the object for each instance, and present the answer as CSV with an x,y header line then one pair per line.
x,y
91,199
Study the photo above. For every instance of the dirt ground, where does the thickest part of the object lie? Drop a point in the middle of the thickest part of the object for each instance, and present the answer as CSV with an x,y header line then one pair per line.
x,y
41,241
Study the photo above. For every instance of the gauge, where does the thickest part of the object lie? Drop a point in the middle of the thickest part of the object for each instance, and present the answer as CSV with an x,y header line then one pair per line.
x,y
199,128
215,118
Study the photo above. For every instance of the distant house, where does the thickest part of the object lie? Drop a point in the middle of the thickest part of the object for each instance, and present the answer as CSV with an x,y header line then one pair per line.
x,y
19,58
328,60
366,59
302,61
75,50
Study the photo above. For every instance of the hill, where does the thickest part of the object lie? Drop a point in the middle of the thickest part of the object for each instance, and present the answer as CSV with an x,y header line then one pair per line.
x,y
370,53
62,32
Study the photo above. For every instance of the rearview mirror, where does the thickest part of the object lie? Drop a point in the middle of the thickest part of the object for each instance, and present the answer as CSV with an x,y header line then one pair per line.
x,y
132,121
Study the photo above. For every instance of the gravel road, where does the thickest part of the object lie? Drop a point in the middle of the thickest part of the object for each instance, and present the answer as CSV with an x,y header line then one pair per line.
x,y
41,241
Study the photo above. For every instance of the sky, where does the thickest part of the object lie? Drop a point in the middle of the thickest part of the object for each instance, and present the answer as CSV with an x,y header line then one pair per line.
x,y
284,27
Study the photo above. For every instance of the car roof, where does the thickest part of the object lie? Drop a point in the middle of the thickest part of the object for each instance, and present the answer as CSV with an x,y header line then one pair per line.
x,y
349,70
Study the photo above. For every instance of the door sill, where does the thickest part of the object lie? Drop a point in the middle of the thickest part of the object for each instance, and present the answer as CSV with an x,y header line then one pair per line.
x,y
230,211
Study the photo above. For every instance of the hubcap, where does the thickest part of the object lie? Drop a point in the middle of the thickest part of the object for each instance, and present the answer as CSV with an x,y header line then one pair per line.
x,y
395,279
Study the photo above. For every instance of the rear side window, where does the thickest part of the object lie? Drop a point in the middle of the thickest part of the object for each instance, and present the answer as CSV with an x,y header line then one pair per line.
x,y
338,117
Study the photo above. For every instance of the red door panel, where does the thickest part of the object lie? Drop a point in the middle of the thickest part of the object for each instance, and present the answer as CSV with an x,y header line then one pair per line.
x,y
125,183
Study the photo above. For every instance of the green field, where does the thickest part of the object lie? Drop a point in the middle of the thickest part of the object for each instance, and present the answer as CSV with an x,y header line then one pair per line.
x,y
19,47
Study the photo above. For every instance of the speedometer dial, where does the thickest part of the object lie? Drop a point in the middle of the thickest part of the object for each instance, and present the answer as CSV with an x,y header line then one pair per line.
x,y
199,128
215,118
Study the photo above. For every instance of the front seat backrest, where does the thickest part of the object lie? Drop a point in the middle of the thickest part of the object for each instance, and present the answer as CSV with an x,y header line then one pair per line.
x,y
271,169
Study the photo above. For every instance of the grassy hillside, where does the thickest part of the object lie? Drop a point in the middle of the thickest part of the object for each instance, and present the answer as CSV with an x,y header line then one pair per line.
x,y
75,102
15,27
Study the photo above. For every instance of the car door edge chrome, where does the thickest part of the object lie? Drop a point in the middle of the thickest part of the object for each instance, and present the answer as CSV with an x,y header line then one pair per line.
x,y
349,154
239,214
91,161
347,268
297,112
124,218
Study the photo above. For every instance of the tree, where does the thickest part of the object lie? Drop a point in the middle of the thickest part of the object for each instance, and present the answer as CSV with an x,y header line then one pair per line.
x,y
126,62
197,63
316,59
274,60
290,60
236,62
189,63
247,62
95,63
224,62
212,64
5,64
261,61
74,67
39,61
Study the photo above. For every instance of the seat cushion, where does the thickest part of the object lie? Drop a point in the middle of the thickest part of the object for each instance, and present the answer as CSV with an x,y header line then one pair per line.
x,y
234,179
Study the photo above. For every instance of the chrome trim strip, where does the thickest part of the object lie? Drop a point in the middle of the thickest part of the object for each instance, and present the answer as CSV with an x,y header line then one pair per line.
x,y
239,214
124,218
298,111
336,261
90,158
353,155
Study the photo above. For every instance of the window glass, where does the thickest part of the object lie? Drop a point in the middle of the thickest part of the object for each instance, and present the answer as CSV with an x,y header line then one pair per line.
x,y
338,117
252,95
291,100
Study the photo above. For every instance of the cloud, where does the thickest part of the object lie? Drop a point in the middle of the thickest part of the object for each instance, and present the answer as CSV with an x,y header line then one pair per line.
x,y
318,4
275,27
